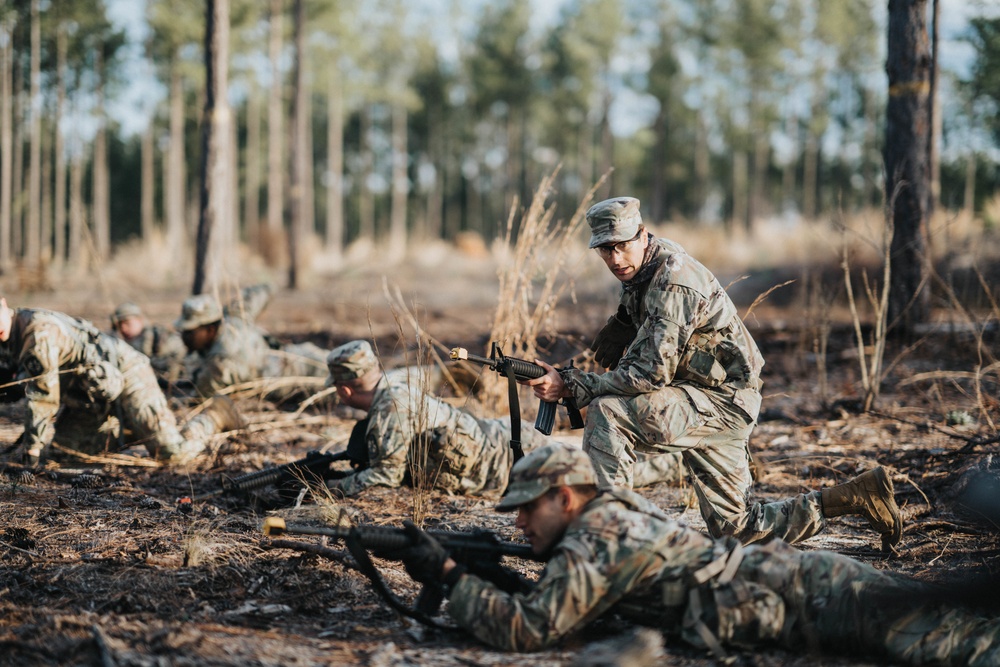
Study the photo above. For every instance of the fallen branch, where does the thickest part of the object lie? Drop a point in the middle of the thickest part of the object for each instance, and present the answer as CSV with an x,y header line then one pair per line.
x,y
337,555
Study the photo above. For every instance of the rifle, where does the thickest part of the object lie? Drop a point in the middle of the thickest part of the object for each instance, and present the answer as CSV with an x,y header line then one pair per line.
x,y
523,370
315,467
480,551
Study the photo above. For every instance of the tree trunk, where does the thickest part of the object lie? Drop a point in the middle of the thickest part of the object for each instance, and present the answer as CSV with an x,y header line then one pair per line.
x,y
906,138
101,191
400,184
657,194
761,159
969,197
6,143
275,131
59,219
335,167
148,179
32,230
17,170
702,168
45,201
214,145
251,198
175,205
366,205
934,111
296,228
740,205
77,211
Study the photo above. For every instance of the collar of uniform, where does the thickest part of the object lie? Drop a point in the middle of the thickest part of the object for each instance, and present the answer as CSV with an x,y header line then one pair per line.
x,y
651,261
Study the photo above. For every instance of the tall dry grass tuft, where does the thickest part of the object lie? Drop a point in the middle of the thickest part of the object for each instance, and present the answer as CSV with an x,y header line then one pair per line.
x,y
531,281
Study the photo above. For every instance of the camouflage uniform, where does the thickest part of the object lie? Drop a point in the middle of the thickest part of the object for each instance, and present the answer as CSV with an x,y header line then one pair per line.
x,y
623,555
242,352
163,346
85,387
688,382
408,429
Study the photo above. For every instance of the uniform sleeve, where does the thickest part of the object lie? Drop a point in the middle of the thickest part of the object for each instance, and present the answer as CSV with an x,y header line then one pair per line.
x,y
571,593
39,365
388,437
213,375
250,303
650,362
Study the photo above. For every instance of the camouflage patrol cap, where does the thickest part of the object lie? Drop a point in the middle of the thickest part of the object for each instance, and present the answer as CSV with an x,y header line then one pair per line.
x,y
198,311
613,220
350,361
125,311
545,468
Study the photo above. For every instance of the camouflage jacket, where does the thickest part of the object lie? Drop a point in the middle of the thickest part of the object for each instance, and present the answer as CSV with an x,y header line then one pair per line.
x,y
689,335
408,428
164,347
57,356
239,354
620,549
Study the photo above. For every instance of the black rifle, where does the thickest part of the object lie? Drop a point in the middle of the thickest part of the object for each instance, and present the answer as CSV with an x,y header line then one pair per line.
x,y
479,551
519,369
314,468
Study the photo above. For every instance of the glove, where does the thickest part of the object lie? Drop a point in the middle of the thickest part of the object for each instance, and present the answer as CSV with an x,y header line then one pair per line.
x,y
612,341
424,558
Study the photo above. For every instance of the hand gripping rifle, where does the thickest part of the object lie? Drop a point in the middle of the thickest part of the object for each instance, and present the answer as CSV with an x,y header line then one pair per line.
x,y
479,551
315,467
519,369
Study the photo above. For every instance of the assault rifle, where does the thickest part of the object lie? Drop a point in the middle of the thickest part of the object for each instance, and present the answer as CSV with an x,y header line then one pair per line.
x,y
522,370
314,468
479,551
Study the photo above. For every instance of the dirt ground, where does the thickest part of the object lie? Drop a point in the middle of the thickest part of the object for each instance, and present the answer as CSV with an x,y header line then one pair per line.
x,y
100,565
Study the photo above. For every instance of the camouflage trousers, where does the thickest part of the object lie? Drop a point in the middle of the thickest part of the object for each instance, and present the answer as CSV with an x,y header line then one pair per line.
x,y
833,603
711,434
139,415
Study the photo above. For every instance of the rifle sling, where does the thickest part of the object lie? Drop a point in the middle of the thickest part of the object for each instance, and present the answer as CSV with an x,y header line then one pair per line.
x,y
515,411
367,568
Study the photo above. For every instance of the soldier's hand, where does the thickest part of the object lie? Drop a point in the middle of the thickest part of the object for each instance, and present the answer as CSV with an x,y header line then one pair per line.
x,y
611,342
549,387
424,559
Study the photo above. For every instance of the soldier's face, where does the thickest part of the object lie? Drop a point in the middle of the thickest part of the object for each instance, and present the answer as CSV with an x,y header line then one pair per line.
x,y
6,318
625,259
544,521
199,338
130,327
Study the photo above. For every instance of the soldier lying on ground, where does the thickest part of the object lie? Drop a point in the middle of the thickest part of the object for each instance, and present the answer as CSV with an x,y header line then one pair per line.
x,y
92,392
684,376
231,349
163,346
464,455
611,551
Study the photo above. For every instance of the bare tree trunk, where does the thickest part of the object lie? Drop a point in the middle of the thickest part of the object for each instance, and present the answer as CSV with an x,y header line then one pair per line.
x,y
400,184
6,143
175,206
969,196
335,166
658,196
229,239
308,174
702,167
810,182
77,210
934,111
45,202
214,144
275,129
17,170
251,201
32,231
740,206
295,191
59,221
148,178
101,191
906,138
366,205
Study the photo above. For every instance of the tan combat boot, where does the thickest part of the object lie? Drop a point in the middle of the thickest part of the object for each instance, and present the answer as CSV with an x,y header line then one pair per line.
x,y
869,495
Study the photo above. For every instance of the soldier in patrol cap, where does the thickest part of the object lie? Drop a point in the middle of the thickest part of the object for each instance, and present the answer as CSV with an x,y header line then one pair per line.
x,y
91,392
163,346
684,376
231,349
611,551
409,429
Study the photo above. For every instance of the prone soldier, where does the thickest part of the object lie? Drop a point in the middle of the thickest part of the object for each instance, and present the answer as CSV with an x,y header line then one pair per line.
x,y
86,389
163,346
611,551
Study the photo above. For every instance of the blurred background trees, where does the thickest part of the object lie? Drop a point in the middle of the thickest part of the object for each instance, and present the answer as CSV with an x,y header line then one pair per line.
x,y
389,123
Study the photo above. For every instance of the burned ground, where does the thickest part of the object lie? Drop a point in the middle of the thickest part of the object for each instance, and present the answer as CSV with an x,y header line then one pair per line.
x,y
100,564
